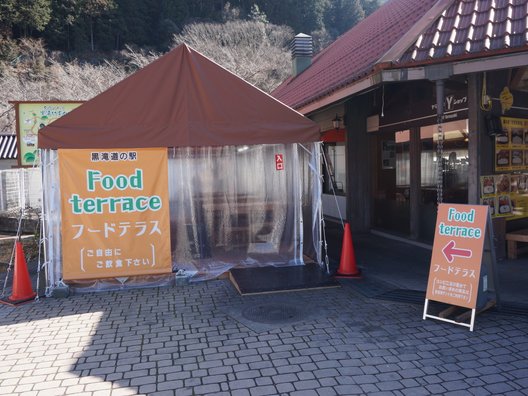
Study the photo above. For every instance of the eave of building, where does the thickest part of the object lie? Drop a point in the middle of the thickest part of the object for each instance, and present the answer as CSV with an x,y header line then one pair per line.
x,y
388,73
361,80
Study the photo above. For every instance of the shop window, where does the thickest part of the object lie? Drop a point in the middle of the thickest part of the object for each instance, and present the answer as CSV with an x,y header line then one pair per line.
x,y
403,165
455,162
335,171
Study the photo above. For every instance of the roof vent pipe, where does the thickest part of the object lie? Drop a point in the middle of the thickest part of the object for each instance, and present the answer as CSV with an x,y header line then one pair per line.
x,y
302,51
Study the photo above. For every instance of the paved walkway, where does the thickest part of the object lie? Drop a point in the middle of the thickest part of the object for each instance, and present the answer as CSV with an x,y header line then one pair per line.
x,y
197,339
406,266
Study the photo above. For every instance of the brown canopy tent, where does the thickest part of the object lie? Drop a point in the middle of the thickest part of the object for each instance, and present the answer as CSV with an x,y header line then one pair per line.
x,y
182,99
231,202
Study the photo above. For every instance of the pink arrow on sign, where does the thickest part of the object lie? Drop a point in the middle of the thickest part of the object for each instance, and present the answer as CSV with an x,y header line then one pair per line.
x,y
450,251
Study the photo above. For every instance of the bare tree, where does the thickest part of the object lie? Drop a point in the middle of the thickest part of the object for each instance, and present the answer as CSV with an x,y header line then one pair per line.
x,y
254,50
137,59
33,75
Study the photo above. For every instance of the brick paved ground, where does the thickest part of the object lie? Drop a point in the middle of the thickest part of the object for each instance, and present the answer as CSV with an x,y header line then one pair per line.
x,y
186,339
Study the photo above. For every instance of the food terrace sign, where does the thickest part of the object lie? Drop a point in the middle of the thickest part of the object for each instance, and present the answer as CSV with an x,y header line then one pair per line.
x,y
456,260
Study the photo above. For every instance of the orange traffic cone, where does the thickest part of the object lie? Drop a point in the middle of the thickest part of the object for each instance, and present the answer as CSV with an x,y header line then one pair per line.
x,y
347,265
22,289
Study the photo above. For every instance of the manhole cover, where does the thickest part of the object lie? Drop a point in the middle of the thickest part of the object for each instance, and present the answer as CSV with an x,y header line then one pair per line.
x,y
272,313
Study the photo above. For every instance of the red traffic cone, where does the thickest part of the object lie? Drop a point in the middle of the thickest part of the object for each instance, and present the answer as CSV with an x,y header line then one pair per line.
x,y
22,290
347,265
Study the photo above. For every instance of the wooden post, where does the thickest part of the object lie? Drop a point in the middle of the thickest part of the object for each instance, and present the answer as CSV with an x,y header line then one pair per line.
x,y
358,163
415,187
476,134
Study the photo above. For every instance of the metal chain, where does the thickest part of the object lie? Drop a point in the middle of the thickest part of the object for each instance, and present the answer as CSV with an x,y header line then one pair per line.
x,y
440,161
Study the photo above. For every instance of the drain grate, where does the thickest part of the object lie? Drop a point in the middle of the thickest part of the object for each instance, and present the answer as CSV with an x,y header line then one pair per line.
x,y
512,308
272,313
418,297
403,295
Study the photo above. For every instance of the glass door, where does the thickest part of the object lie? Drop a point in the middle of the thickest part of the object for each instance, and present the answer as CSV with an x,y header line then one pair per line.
x,y
392,183
455,165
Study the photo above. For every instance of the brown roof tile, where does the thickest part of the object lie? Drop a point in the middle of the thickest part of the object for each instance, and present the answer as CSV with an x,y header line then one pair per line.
x,y
476,46
427,40
481,18
479,26
518,26
458,49
465,20
501,15
519,11
353,55
466,8
517,40
461,36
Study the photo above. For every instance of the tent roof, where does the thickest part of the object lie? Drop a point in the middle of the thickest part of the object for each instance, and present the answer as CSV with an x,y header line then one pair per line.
x,y
181,99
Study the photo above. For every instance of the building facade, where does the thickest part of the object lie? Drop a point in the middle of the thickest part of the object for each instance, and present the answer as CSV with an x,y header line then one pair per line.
x,y
433,98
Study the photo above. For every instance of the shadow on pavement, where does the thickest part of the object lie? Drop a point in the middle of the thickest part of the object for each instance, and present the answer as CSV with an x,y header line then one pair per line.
x,y
197,339
406,266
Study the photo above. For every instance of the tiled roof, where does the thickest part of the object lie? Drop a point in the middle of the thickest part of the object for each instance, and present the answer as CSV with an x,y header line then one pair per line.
x,y
472,28
461,29
8,147
354,54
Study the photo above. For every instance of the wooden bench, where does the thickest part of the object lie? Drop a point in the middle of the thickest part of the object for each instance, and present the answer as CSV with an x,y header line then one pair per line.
x,y
512,238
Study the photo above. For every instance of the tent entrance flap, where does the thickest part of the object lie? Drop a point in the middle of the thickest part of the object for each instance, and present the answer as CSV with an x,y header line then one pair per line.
x,y
234,204
230,207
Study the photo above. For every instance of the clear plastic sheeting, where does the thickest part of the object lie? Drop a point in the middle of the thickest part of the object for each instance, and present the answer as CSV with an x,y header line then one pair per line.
x,y
133,282
51,215
231,206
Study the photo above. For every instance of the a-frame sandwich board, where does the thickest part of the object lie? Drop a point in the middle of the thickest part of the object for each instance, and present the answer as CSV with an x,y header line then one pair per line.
x,y
463,263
